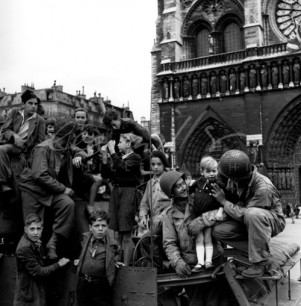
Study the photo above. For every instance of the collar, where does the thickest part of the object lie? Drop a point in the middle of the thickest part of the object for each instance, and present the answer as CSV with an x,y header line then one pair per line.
x,y
21,111
126,155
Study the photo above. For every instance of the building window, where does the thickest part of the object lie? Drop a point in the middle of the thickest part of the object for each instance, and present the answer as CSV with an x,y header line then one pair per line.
x,y
202,43
232,38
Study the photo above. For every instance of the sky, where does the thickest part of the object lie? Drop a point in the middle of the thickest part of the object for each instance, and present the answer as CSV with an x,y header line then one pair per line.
x,y
103,45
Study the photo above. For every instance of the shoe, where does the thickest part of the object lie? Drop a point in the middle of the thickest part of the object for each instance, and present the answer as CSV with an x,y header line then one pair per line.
x,y
209,265
256,270
199,267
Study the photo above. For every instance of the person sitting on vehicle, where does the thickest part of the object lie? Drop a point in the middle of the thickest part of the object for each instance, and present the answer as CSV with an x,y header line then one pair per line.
x,y
81,118
179,246
48,182
50,127
22,130
256,217
99,258
31,269
126,125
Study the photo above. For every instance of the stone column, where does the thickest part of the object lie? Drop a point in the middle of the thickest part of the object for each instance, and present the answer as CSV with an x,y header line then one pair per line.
x,y
253,29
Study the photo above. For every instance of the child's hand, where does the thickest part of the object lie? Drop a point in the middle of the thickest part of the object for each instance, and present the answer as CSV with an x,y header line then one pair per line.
x,y
219,216
119,264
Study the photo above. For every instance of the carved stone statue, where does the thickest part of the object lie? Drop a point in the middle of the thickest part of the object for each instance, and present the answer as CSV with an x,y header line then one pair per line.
x,y
288,180
177,88
264,76
296,69
223,82
195,84
282,180
186,87
242,79
232,78
274,75
252,77
204,84
286,73
165,89
213,83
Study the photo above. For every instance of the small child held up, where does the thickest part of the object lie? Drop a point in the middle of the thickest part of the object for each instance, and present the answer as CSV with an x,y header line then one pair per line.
x,y
211,211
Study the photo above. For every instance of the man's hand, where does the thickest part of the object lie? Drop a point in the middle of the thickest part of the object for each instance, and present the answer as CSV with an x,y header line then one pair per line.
x,y
69,192
19,141
77,161
111,146
63,261
119,264
143,221
218,194
195,226
182,268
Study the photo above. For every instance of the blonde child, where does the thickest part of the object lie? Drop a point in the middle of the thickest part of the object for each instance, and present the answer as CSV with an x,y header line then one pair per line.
x,y
211,211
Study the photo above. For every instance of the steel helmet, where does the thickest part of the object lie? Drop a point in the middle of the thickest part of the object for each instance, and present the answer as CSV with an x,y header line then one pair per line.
x,y
168,179
235,165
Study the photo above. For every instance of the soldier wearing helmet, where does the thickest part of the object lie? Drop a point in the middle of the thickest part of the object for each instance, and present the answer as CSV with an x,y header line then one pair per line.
x,y
256,217
179,246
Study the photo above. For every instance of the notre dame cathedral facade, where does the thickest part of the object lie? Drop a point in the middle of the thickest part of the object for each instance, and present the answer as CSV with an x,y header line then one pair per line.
x,y
226,75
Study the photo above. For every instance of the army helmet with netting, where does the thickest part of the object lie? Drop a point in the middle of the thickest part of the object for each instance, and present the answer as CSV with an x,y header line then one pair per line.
x,y
235,165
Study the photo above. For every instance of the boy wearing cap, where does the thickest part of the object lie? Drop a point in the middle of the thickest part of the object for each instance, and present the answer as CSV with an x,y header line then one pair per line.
x,y
22,130
125,175
48,182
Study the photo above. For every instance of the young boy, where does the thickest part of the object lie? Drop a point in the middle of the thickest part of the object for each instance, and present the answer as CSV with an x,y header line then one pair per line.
x,y
206,206
31,272
97,263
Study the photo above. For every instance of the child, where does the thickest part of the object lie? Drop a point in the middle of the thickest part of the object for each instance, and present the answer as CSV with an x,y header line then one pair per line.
x,y
153,192
97,263
31,269
49,127
89,176
210,210
125,175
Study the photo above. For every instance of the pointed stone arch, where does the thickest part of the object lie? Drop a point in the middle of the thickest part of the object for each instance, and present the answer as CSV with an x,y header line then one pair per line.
x,y
209,135
283,136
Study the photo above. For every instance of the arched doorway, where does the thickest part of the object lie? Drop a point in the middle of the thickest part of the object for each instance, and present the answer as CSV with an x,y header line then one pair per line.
x,y
284,152
212,137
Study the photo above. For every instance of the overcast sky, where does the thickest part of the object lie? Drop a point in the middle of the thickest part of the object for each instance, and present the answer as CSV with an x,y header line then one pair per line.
x,y
103,45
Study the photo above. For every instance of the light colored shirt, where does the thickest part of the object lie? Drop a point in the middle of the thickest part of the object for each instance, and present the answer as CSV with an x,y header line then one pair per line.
x,y
23,130
160,201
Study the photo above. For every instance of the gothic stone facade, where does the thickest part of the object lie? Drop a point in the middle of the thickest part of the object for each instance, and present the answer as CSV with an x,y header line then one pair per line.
x,y
225,75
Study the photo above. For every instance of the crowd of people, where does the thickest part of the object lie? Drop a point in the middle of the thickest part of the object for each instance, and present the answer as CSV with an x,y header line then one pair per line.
x,y
63,158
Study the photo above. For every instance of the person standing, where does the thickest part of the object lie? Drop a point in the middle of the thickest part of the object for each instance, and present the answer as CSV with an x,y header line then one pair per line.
x,y
31,270
125,176
99,258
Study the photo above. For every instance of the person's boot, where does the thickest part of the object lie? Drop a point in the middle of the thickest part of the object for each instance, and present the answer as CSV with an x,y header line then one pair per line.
x,y
256,270
51,246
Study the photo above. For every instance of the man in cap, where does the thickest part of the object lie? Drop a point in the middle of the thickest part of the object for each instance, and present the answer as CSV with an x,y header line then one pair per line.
x,y
256,217
22,130
179,246
49,181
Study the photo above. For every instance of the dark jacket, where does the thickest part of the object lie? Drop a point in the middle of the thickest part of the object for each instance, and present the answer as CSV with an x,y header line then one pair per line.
x,y
259,193
42,180
112,255
12,124
31,273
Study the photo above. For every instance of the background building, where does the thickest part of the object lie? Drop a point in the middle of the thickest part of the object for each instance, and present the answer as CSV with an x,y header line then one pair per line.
x,y
226,74
57,103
